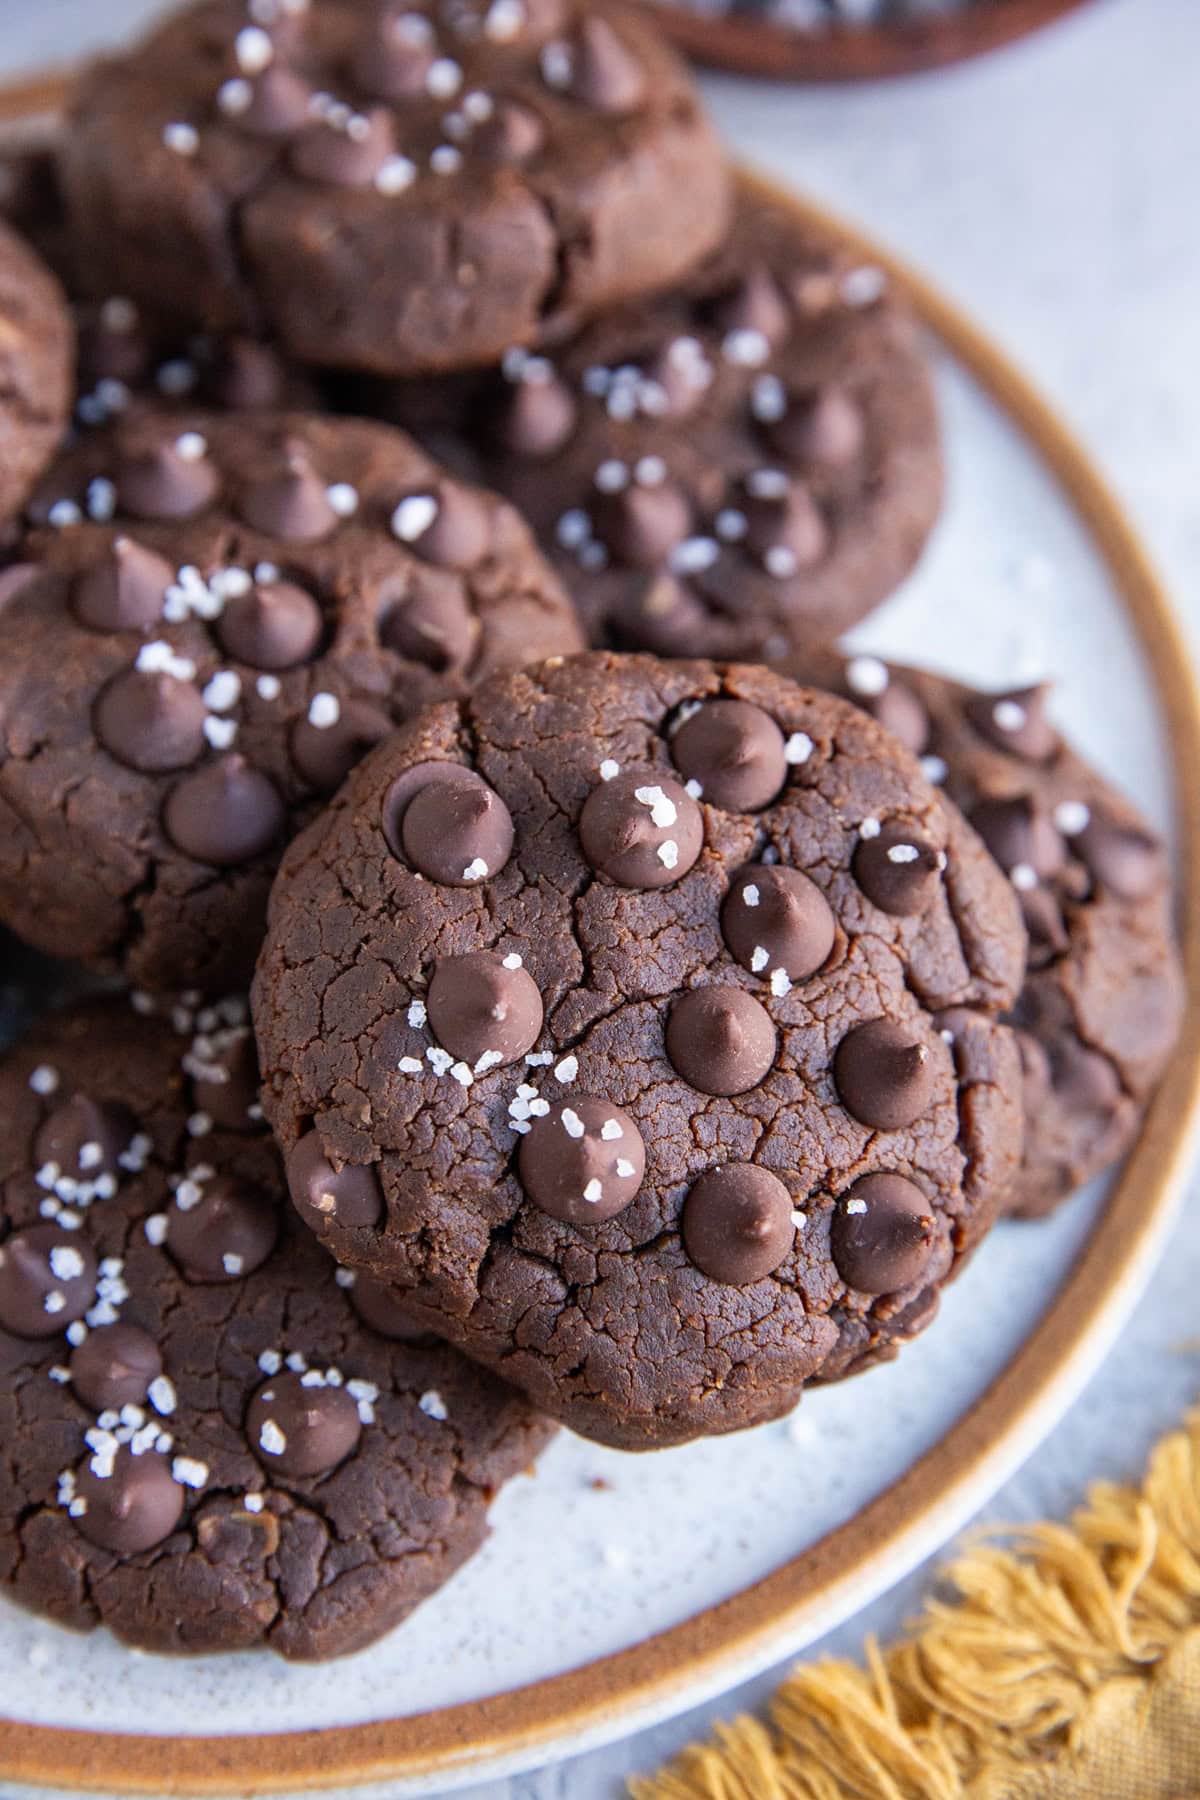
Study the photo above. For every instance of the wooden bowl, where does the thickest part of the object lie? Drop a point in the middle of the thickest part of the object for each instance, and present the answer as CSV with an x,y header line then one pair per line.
x,y
855,52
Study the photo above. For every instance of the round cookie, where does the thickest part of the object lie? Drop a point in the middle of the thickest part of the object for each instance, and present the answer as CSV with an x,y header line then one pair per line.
x,y
208,1446
646,1207
740,468
37,353
210,619
1100,1009
400,188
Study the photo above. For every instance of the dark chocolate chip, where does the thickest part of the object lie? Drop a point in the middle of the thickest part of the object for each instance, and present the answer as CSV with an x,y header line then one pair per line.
x,y
247,376
84,1139
459,833
323,1195
736,753
225,1230
449,525
114,1366
605,74
535,418
511,135
480,1006
721,1040
1021,836
1083,1080
382,1310
226,814
396,54
1126,861
775,918
679,376
822,427
131,1507
434,625
1015,721
641,829
277,104
755,305
641,525
325,754
1044,921
292,504
661,614
737,1224
785,528
124,591
583,1161
159,477
882,1234
275,626
898,870
300,1426
884,1077
901,712
151,721
345,156
225,1078
47,1280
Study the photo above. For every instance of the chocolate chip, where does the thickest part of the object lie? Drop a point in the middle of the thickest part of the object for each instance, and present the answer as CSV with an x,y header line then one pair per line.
x,y
382,1309
901,712
535,418
822,427
151,722
1021,836
641,829
605,75
274,626
165,478
247,376
434,625
736,753
225,1078
345,157
47,1280
450,526
775,918
1044,921
114,1366
511,135
396,54
737,1224
83,1139
721,1040
350,1196
325,754
785,527
882,1234
292,504
224,1232
1126,861
661,614
898,870
131,1507
226,814
457,832
300,1427
583,1161
755,305
884,1077
113,346
1015,721
641,525
124,591
278,103
680,376
480,1007
1083,1080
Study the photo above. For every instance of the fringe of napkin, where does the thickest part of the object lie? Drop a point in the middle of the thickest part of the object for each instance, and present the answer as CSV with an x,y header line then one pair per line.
x,y
1066,1662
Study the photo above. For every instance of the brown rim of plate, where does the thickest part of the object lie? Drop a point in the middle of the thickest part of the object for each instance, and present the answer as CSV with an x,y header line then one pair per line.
x,y
913,1517
855,52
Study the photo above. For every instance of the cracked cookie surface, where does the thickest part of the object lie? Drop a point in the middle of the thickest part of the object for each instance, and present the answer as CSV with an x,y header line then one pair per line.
x,y
1100,1008
209,620
739,468
37,359
209,1442
635,1020
400,189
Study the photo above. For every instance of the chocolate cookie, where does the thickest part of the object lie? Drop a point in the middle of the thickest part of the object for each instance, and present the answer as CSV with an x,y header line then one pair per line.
x,y
402,188
37,351
634,1018
1102,1001
211,618
742,467
208,1444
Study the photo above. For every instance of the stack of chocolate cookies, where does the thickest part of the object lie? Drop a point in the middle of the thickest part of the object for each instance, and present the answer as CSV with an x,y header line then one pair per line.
x,y
540,978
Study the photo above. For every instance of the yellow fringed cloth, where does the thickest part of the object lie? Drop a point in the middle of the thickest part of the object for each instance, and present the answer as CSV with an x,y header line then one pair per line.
x,y
1065,1667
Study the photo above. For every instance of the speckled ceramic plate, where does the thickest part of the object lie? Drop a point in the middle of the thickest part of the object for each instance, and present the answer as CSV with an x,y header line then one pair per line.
x,y
755,46
618,1589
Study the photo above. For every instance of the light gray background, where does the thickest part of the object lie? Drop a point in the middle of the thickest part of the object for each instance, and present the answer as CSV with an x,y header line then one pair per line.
x,y
1052,190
